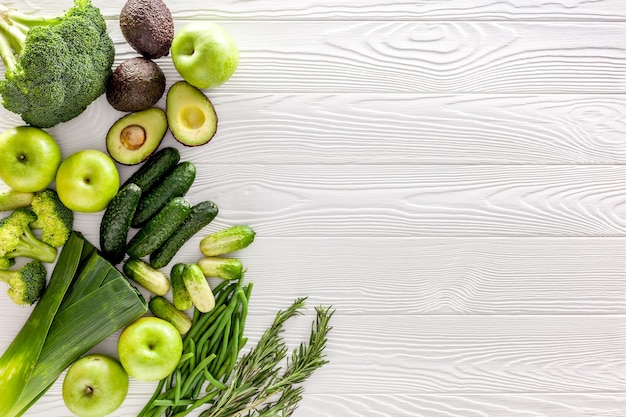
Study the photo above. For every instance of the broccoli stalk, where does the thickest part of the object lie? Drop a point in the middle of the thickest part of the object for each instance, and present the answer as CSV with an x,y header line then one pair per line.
x,y
55,67
11,199
6,263
53,218
25,284
17,239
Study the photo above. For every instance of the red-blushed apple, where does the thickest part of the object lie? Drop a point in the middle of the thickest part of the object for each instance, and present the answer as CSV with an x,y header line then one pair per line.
x,y
95,386
149,348
204,54
29,158
87,181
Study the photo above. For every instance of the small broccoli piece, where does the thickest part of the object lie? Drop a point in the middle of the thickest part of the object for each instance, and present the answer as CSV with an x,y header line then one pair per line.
x,y
17,239
26,284
53,218
6,263
11,199
55,67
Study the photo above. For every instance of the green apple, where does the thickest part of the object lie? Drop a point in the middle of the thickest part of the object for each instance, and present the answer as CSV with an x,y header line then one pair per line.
x,y
95,386
204,54
149,348
87,181
29,158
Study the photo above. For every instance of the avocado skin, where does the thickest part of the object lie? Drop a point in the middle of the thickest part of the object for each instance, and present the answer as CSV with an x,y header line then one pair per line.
x,y
148,27
136,84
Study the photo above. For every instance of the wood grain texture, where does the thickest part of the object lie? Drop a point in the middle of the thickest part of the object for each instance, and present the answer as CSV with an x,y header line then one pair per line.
x,y
432,405
594,10
425,57
449,174
414,200
308,129
429,276
409,355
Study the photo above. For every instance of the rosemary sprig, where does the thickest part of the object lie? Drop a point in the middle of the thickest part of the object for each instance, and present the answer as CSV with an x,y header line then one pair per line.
x,y
259,386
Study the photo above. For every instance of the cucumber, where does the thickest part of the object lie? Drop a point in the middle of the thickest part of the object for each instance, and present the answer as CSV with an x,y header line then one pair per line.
x,y
155,168
228,240
198,288
176,183
143,274
159,228
223,268
180,296
115,222
200,215
163,309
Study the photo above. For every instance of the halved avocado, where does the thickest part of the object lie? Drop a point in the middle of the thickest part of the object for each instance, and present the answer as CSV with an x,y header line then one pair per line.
x,y
190,114
134,137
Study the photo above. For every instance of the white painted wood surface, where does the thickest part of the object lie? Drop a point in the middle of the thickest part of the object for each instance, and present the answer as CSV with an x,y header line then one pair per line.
x,y
449,174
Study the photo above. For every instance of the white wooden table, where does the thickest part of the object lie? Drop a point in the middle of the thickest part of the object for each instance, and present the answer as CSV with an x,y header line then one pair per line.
x,y
448,174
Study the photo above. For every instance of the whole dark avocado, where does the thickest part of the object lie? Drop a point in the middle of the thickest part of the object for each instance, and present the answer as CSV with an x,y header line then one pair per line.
x,y
136,84
148,27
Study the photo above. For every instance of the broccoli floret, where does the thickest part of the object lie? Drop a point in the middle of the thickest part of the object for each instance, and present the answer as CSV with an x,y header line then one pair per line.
x,y
17,239
6,263
53,218
55,67
26,284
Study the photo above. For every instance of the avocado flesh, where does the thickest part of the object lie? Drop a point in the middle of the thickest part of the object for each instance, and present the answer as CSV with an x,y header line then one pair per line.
x,y
136,136
190,115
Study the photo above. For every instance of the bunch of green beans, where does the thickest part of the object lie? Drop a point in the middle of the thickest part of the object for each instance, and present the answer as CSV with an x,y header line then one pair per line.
x,y
210,351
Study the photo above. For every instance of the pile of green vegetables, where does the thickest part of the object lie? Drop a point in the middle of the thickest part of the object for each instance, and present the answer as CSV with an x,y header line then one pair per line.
x,y
55,67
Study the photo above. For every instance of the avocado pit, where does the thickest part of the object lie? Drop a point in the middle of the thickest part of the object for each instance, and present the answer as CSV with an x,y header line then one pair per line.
x,y
136,136
133,137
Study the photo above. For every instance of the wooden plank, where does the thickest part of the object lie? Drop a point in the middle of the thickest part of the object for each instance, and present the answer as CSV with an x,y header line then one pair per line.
x,y
433,276
432,57
412,201
606,10
433,405
393,128
409,355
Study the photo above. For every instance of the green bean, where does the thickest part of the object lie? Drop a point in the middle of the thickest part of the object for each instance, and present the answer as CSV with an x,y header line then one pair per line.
x,y
224,346
198,403
153,398
170,403
209,377
197,371
178,387
220,287
204,321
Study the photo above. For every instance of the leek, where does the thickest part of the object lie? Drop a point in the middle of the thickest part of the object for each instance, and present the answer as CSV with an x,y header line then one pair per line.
x,y
87,300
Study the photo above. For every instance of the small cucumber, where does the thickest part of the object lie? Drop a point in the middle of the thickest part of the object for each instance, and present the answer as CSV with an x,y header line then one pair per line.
x,y
115,222
180,296
198,288
176,183
159,228
155,168
200,215
223,268
143,274
163,309
227,240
